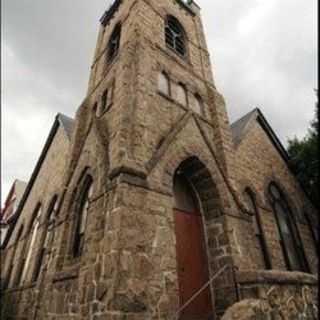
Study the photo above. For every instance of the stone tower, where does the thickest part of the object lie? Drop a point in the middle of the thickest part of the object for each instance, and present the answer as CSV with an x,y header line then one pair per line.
x,y
135,209
153,99
163,150
132,76
154,136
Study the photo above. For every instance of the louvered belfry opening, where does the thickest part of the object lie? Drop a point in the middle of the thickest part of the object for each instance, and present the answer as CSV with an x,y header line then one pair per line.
x,y
175,35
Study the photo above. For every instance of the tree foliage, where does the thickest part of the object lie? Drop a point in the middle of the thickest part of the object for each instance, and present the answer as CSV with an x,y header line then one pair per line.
x,y
304,156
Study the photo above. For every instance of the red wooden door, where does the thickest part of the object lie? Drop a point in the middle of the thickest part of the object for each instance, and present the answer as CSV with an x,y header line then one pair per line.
x,y
192,265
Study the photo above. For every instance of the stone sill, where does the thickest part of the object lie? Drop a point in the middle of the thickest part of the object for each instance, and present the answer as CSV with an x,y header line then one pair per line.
x,y
185,108
22,288
276,277
106,110
70,274
182,61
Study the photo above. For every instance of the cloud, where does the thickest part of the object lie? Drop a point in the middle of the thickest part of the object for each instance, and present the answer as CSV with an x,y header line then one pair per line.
x,y
264,54
266,57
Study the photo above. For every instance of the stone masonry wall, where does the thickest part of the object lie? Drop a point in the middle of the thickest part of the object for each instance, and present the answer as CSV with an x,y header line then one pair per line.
x,y
128,266
47,185
258,164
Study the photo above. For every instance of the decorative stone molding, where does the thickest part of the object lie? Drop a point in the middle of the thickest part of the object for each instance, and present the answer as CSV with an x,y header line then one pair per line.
x,y
275,277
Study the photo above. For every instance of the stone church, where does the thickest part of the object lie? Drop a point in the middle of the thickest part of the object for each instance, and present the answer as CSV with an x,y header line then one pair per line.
x,y
149,204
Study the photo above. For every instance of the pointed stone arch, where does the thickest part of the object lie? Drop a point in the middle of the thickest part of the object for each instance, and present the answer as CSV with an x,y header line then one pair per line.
x,y
195,202
206,188
200,178
205,175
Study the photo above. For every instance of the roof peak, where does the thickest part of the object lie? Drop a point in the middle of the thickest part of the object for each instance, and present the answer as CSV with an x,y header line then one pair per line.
x,y
67,124
240,127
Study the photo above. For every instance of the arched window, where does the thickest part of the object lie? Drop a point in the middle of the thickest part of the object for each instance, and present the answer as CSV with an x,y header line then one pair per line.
x,y
104,101
51,214
182,96
175,35
261,244
33,228
289,235
164,83
198,106
114,42
82,214
12,262
52,211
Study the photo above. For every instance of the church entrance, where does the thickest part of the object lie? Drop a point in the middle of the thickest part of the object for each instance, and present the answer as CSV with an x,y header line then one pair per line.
x,y
192,260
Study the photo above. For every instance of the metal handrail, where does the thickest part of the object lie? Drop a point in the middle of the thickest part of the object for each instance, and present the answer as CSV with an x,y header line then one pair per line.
x,y
177,314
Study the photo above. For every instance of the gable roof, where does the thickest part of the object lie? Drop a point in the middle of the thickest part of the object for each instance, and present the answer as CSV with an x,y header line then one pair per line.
x,y
238,128
241,127
67,125
15,194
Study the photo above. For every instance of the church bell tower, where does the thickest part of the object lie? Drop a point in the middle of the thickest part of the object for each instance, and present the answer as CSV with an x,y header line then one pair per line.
x,y
165,146
151,67
135,209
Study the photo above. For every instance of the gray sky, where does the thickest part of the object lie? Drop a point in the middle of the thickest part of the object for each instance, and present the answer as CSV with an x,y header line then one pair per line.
x,y
264,54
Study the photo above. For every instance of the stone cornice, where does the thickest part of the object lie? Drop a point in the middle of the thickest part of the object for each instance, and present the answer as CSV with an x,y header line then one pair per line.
x,y
276,277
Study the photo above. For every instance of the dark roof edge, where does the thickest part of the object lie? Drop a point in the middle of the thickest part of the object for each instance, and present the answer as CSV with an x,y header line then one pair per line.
x,y
109,13
281,149
34,175
66,123
272,135
244,116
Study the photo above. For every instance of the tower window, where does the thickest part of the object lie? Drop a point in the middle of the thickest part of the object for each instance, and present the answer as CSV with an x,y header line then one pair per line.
x,y
164,83
290,238
182,96
95,109
114,42
175,35
104,101
197,107
82,214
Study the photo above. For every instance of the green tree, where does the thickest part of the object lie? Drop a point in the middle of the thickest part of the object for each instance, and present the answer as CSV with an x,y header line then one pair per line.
x,y
304,156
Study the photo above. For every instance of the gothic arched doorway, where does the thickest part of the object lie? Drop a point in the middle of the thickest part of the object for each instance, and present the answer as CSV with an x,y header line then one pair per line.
x,y
192,259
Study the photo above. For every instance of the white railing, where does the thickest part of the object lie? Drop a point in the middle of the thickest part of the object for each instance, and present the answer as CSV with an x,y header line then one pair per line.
x,y
178,313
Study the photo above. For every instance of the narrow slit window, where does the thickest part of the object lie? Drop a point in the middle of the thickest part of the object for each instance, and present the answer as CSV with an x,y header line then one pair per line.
x,y
261,244
182,96
104,101
290,239
96,109
114,42
164,84
13,260
82,215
